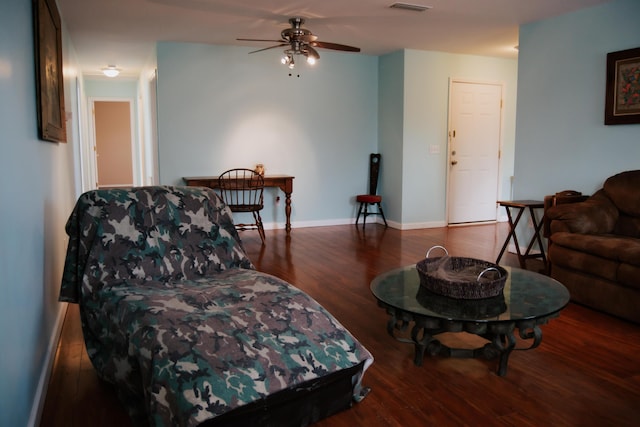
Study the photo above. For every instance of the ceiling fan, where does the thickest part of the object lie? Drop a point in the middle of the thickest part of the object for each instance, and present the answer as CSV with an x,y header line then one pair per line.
x,y
300,41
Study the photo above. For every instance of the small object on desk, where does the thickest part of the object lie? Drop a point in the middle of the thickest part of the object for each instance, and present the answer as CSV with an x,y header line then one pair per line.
x,y
521,206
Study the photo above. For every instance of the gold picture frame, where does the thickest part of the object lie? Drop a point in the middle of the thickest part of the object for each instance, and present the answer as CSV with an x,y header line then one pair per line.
x,y
622,104
49,78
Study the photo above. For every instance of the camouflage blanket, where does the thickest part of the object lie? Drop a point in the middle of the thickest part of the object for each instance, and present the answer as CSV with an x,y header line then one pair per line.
x,y
175,315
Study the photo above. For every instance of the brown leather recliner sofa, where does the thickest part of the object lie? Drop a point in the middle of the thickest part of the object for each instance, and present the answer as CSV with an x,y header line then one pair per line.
x,y
594,246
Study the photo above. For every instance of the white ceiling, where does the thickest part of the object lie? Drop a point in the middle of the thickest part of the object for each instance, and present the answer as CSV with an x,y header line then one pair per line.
x,y
124,32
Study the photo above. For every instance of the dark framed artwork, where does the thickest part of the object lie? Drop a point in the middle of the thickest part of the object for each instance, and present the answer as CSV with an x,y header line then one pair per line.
x,y
49,78
622,104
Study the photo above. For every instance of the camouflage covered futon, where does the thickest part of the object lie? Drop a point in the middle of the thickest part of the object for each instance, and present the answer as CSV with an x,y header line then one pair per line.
x,y
175,315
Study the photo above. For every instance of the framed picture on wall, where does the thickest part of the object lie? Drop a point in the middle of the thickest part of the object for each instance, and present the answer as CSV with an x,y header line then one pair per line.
x,y
49,78
622,104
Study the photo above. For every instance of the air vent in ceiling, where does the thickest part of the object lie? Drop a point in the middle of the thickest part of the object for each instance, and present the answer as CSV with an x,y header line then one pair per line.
x,y
409,6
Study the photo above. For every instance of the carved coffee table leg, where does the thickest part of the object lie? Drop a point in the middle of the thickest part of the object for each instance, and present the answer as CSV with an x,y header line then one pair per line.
x,y
505,343
534,333
424,342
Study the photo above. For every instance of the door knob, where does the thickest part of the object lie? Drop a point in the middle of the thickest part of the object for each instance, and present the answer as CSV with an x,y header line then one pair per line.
x,y
454,162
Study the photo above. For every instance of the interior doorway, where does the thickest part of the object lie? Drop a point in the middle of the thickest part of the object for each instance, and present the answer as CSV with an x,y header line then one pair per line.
x,y
113,143
475,123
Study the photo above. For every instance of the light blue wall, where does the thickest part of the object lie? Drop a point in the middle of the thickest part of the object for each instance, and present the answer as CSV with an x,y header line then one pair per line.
x,y
219,108
101,88
419,195
390,130
562,142
37,193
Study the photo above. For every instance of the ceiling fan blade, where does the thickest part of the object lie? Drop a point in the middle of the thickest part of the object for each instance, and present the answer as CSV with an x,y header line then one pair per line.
x,y
270,47
334,46
262,40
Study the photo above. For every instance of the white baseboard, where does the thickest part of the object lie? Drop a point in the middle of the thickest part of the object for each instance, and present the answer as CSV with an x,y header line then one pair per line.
x,y
320,223
47,367
345,221
418,225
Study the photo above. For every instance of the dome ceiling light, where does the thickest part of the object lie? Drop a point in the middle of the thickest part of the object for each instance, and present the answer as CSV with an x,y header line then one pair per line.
x,y
111,71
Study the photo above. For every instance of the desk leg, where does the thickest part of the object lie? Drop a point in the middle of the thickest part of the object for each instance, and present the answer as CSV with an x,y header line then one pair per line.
x,y
287,211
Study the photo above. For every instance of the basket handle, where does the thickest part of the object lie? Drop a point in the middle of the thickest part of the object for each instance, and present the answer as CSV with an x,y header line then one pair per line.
x,y
485,270
436,247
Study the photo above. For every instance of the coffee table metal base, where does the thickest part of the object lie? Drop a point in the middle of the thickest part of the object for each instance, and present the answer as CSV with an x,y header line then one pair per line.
x,y
500,335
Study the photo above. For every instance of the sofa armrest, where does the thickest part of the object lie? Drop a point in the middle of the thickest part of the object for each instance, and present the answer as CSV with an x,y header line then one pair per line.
x,y
560,198
596,215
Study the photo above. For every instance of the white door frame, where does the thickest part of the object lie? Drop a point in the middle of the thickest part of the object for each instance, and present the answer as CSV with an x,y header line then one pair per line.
x,y
453,80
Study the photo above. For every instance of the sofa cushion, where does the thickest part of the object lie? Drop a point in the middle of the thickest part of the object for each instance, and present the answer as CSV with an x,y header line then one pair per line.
x,y
615,258
608,246
587,263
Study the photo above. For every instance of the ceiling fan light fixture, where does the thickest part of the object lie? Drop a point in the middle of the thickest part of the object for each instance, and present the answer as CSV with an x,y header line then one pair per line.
x,y
411,7
300,41
311,54
287,59
111,71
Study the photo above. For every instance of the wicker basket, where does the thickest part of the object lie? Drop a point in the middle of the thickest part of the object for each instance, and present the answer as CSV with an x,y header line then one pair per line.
x,y
489,277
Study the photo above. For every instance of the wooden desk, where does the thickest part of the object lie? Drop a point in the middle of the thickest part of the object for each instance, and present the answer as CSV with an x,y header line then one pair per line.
x,y
283,182
521,206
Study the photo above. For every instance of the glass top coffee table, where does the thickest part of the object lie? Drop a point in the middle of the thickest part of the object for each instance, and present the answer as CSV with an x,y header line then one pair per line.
x,y
528,300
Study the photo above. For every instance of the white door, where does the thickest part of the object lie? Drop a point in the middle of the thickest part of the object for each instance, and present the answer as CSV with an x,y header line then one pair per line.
x,y
474,151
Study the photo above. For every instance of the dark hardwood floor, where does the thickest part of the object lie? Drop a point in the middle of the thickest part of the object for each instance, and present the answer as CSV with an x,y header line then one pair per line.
x,y
586,372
